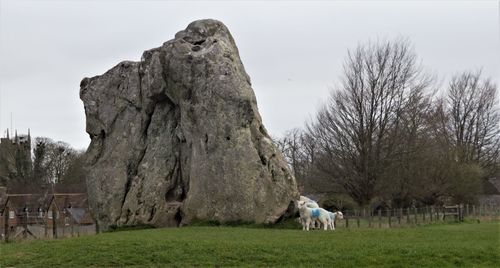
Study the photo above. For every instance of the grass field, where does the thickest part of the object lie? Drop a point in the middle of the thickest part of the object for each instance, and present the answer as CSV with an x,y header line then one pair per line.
x,y
438,245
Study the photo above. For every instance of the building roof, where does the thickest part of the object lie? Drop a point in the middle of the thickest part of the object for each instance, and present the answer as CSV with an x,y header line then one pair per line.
x,y
69,200
33,202
495,182
18,202
491,186
75,204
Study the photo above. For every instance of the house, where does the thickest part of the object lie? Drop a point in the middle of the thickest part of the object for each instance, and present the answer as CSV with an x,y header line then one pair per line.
x,y
491,192
37,209
23,207
71,208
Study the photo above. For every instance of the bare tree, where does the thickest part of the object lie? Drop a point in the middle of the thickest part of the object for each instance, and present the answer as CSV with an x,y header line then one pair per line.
x,y
73,179
359,131
411,147
473,119
298,148
51,159
40,149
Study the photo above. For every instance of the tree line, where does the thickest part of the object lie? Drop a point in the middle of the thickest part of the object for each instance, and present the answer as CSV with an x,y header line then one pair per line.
x,y
389,135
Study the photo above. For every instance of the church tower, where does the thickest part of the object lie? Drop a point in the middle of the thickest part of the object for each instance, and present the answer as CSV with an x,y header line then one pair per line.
x,y
15,157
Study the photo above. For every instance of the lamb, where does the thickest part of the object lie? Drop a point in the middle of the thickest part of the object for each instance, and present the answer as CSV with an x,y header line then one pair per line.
x,y
311,214
310,204
333,216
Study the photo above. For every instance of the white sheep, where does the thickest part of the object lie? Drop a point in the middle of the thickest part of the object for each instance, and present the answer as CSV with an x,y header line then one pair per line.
x,y
309,215
333,216
310,204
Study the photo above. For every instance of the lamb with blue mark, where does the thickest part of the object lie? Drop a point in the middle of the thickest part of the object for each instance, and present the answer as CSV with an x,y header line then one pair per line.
x,y
309,215
310,204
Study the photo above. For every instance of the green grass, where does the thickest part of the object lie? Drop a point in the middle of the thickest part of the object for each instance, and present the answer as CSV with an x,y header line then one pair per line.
x,y
438,245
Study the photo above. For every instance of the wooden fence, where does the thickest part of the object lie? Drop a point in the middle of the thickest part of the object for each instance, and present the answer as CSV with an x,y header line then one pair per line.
x,y
388,218
28,226
34,226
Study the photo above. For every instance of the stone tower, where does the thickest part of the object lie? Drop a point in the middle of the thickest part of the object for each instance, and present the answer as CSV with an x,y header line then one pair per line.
x,y
15,157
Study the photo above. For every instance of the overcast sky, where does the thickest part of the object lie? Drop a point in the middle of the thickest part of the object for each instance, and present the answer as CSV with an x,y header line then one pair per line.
x,y
292,50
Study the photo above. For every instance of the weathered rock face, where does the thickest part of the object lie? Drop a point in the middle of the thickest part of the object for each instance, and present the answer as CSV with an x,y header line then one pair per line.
x,y
177,137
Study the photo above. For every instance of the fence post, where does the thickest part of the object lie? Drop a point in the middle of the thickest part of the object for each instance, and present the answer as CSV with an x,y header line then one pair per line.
x,y
25,224
390,216
63,225
408,216
347,222
54,223
357,218
370,218
46,225
461,207
400,216
415,214
379,212
6,213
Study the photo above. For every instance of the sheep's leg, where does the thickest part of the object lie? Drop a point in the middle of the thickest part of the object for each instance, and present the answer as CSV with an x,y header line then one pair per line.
x,y
325,224
308,222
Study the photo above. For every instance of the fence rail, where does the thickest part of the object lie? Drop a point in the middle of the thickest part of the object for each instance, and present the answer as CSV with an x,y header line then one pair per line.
x,y
389,218
33,226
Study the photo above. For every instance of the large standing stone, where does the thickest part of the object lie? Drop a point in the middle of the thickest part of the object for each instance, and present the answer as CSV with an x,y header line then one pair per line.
x,y
177,137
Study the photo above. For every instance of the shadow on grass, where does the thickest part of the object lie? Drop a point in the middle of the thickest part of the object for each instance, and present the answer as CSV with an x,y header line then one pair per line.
x,y
115,228
282,224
